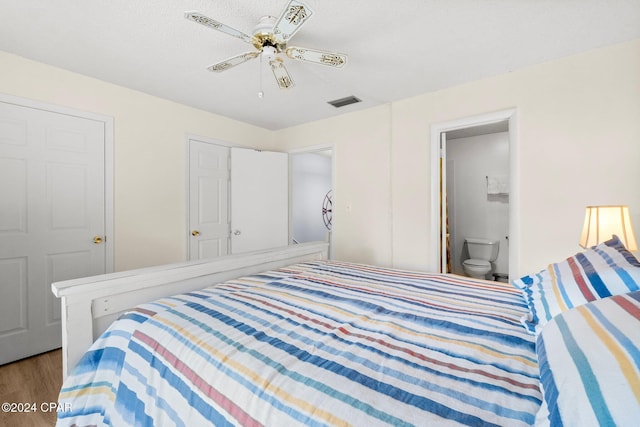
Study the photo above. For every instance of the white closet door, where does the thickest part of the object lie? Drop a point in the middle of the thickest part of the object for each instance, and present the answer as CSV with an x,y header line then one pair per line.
x,y
52,220
208,200
259,200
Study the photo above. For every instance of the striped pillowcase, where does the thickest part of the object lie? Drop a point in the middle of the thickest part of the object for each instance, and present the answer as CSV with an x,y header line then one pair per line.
x,y
590,364
599,272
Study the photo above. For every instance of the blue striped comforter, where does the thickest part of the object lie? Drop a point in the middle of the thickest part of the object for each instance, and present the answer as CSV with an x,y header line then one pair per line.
x,y
321,343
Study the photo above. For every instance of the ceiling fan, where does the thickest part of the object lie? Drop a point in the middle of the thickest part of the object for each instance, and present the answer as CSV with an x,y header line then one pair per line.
x,y
270,37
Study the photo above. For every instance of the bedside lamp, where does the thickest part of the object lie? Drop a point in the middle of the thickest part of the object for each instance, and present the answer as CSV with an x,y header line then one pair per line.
x,y
602,222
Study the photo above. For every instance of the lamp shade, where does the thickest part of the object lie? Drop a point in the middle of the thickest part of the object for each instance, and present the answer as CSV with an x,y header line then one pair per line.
x,y
602,222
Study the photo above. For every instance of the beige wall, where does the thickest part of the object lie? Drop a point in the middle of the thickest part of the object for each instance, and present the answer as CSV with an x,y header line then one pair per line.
x,y
578,144
361,220
578,138
149,153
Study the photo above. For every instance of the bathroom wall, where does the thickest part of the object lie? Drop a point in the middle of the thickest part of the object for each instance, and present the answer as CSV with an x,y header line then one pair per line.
x,y
311,182
473,212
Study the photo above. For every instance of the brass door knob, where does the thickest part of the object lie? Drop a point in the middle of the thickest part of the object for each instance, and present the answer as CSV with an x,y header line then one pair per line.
x,y
195,233
97,239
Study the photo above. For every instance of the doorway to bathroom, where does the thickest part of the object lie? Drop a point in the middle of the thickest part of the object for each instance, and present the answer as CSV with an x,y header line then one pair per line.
x,y
473,164
311,195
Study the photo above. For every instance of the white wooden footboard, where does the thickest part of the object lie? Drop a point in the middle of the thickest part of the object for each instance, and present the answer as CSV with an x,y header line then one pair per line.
x,y
90,304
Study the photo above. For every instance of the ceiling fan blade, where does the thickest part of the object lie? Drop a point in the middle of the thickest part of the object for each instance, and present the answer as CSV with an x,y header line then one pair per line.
x,y
294,15
233,61
212,23
281,74
337,60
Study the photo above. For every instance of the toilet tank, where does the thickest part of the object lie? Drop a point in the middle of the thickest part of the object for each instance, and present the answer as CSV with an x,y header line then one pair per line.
x,y
484,249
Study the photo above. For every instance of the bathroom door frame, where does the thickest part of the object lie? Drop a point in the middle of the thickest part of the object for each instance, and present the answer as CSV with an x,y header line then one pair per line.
x,y
439,189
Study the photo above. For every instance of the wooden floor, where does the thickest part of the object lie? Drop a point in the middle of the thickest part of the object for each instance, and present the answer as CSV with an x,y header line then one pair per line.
x,y
31,384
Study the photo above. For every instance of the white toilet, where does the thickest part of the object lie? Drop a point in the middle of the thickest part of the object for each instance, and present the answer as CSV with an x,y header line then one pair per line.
x,y
482,253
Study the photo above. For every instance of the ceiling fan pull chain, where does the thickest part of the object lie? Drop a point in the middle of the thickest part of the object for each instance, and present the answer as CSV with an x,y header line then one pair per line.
x,y
260,92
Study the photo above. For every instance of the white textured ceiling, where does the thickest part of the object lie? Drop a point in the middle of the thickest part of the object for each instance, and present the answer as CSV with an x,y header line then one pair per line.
x,y
397,49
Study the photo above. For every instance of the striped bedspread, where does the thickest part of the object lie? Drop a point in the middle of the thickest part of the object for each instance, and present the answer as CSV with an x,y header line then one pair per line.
x,y
321,343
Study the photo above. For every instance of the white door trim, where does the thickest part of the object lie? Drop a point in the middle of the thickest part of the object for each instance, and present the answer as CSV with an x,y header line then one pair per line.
x,y
443,206
108,161
514,197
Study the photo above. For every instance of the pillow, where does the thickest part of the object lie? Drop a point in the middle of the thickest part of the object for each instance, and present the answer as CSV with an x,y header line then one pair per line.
x,y
589,361
599,272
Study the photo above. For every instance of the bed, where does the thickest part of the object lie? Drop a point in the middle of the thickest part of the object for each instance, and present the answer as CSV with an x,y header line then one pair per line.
x,y
309,341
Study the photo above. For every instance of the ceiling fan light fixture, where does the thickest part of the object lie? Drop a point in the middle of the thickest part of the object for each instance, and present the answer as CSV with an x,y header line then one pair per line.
x,y
269,53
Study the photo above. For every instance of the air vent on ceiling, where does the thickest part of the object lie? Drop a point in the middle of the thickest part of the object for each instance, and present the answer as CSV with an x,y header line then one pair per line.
x,y
344,101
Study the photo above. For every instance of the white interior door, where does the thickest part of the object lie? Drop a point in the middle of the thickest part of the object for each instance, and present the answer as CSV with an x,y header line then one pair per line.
x,y
52,220
259,200
208,200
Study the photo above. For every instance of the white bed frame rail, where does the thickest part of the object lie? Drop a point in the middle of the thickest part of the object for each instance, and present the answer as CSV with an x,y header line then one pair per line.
x,y
90,304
